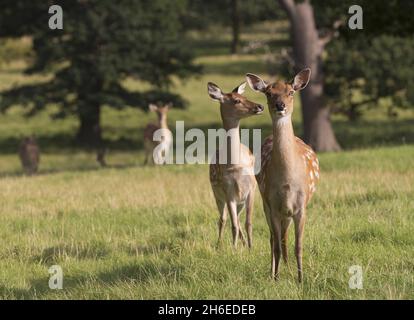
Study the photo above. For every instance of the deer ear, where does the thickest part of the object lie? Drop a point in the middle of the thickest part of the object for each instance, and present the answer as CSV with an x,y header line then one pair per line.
x,y
301,79
152,107
214,91
240,89
256,83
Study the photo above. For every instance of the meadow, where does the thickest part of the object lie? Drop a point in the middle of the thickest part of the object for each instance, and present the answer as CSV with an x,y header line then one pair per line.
x,y
134,232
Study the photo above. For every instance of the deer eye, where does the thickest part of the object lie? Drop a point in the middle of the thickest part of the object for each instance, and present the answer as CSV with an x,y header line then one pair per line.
x,y
237,101
291,92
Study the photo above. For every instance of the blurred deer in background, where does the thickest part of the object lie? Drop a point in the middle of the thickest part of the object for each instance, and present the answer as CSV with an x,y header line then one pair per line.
x,y
100,156
289,172
233,182
29,155
162,146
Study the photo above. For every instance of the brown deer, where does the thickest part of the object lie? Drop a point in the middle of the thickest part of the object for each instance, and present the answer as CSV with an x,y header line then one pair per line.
x,y
100,156
289,169
233,182
29,155
151,128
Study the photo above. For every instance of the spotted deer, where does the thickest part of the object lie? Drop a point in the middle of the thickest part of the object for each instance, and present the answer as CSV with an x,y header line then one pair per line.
x,y
233,181
289,169
149,141
29,155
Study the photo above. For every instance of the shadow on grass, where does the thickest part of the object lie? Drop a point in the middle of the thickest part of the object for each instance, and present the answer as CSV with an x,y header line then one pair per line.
x,y
214,47
53,255
90,167
365,134
135,273
351,135
66,143
50,143
150,249
141,273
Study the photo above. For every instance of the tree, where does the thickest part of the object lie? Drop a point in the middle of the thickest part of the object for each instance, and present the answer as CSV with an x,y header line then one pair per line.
x,y
314,24
103,42
364,72
235,17
231,13
308,47
372,68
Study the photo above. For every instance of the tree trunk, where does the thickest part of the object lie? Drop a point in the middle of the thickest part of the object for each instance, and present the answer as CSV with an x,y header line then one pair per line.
x,y
307,50
235,17
89,133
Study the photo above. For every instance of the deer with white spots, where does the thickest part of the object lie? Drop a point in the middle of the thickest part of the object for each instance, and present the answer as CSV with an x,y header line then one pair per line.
x,y
289,169
155,150
233,180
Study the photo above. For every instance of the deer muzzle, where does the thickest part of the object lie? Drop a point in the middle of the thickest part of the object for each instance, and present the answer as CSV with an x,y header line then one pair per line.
x,y
258,109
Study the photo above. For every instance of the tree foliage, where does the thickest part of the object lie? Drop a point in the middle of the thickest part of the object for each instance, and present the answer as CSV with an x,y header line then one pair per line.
x,y
201,14
381,17
103,42
364,72
372,65
230,13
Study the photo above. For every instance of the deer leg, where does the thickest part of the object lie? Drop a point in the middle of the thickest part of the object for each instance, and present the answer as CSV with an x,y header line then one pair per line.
x,y
222,220
241,234
267,211
285,229
147,152
232,207
163,154
151,158
273,260
249,214
299,220
277,248
146,158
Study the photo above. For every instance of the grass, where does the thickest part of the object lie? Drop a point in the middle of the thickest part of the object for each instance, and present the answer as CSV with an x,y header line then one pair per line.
x,y
150,233
132,232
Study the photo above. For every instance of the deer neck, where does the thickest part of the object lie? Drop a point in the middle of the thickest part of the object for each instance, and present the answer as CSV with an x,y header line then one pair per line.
x,y
162,122
232,127
283,152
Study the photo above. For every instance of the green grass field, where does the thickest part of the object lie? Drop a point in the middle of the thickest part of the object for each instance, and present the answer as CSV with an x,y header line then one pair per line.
x,y
133,232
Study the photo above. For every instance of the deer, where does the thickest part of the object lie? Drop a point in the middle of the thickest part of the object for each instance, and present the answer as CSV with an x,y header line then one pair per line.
x,y
29,155
166,140
233,182
289,170
100,156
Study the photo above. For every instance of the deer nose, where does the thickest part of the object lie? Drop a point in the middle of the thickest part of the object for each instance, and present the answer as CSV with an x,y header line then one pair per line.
x,y
280,106
259,108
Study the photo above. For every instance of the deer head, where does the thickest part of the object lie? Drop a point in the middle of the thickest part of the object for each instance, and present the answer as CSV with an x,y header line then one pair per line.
x,y
160,110
234,105
30,140
280,93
